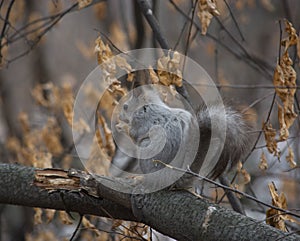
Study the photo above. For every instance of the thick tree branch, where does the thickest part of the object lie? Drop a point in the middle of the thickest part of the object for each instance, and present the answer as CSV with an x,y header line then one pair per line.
x,y
178,214
17,188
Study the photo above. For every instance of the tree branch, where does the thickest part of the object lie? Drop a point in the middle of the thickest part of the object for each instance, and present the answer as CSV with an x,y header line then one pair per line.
x,y
152,21
178,214
147,12
17,188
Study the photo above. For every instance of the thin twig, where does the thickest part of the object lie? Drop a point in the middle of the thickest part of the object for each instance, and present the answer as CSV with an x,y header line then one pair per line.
x,y
188,171
181,32
190,29
5,24
50,21
6,19
77,228
258,64
246,55
256,102
234,21
147,12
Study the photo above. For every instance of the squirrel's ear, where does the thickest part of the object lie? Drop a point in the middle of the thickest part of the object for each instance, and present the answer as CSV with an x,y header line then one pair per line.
x,y
141,77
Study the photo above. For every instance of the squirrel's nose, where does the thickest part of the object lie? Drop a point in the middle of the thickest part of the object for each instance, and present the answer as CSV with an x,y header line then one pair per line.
x,y
124,117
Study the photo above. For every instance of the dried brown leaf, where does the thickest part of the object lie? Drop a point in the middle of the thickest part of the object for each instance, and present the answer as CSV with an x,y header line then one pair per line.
x,y
289,115
98,161
284,80
65,218
279,83
116,223
275,217
110,145
239,166
83,3
41,159
23,118
168,70
284,132
37,219
290,158
87,224
51,135
102,50
292,35
237,187
87,51
50,214
246,176
270,135
153,76
109,66
267,4
67,102
102,149
206,10
100,10
46,95
274,220
263,164
41,236
13,144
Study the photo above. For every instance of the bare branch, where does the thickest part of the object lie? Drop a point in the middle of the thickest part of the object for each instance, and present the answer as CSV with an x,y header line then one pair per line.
x,y
147,12
178,214
48,23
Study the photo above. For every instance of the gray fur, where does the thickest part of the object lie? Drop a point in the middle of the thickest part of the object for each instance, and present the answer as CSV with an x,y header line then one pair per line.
x,y
182,129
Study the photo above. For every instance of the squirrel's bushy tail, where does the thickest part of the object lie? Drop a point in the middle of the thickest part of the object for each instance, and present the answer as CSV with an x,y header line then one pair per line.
x,y
236,142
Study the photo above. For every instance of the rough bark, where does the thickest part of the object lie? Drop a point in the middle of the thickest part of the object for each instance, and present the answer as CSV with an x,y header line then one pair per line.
x,y
17,188
178,214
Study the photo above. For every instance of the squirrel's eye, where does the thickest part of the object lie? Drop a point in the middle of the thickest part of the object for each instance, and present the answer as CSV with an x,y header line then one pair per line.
x,y
145,108
125,107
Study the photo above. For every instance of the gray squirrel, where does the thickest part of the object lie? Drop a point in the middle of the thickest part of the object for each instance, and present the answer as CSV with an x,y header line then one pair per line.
x,y
187,137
